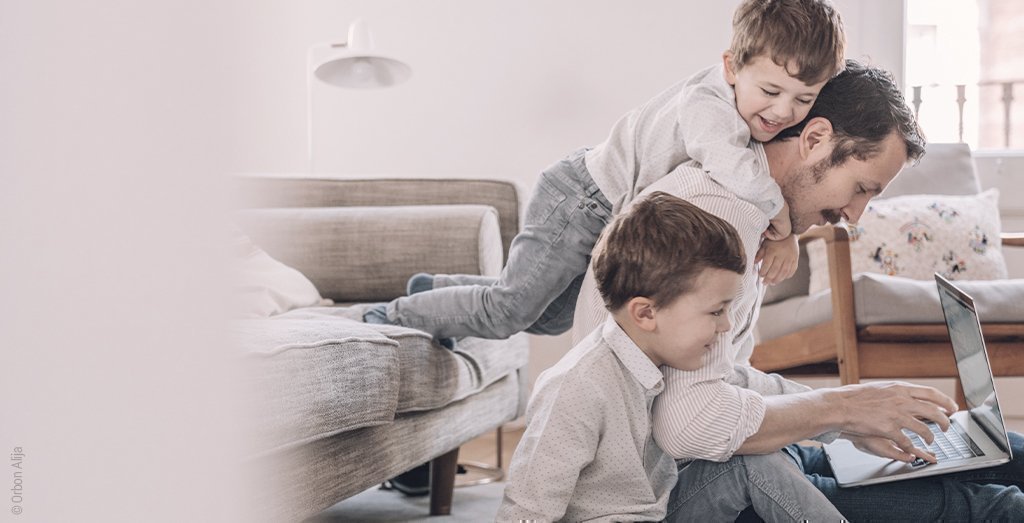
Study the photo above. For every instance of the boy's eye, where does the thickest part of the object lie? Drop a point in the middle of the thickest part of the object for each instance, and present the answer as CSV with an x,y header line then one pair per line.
x,y
861,189
805,102
719,312
769,93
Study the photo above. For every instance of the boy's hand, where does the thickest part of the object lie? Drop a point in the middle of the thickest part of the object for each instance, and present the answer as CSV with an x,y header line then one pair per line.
x,y
780,226
778,259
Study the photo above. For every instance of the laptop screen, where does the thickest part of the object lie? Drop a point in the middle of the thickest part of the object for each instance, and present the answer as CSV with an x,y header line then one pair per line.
x,y
971,358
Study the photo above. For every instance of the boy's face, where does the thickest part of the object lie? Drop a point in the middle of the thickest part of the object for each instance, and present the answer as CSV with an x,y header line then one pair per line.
x,y
687,327
767,97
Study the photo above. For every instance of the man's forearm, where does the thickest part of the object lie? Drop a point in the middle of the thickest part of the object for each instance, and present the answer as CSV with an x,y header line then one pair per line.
x,y
876,410
791,418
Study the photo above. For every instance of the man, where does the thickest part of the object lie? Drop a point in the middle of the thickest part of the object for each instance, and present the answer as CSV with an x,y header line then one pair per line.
x,y
851,145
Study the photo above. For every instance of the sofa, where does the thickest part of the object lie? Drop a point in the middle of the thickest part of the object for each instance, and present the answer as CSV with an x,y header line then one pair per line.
x,y
340,405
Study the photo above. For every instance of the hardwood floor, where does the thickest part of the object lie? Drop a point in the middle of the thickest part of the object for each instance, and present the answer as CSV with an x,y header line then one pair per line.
x,y
484,448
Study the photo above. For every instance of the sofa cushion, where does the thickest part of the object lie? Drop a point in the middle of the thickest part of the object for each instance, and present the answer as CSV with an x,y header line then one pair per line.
x,y
265,286
320,371
916,236
946,168
882,299
432,376
301,373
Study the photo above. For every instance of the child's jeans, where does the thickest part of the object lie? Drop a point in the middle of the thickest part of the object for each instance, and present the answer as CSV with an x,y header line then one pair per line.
x,y
538,287
771,483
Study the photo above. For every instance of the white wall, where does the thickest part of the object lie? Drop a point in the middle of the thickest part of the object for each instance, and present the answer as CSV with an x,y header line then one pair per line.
x,y
498,88
115,383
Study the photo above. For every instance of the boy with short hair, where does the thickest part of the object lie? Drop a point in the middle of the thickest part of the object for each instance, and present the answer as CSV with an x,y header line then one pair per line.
x,y
782,53
667,272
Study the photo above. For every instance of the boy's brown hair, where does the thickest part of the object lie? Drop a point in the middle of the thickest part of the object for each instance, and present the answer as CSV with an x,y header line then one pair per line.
x,y
658,247
807,34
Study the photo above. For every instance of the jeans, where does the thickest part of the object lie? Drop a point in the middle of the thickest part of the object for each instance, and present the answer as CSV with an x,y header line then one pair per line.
x,y
992,494
777,490
538,287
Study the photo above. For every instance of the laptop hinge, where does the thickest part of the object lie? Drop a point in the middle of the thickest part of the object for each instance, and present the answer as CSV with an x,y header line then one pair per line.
x,y
998,439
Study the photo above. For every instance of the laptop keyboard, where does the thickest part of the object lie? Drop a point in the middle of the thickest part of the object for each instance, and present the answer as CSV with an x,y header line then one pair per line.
x,y
952,444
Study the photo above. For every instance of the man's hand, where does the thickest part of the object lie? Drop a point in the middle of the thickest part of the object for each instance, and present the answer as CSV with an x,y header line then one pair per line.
x,y
882,409
780,226
886,448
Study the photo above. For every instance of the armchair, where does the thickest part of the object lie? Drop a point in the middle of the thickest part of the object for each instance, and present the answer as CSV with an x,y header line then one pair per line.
x,y
877,326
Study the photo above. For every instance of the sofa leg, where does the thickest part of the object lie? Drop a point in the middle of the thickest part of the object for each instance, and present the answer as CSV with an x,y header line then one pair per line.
x,y
442,482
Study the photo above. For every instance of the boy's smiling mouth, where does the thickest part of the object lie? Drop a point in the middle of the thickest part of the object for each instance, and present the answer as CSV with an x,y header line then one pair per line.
x,y
770,126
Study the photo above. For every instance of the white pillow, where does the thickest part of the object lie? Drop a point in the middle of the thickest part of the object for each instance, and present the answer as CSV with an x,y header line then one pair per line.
x,y
266,286
915,236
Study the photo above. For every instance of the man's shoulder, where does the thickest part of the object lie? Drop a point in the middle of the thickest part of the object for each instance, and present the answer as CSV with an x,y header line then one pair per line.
x,y
691,183
688,181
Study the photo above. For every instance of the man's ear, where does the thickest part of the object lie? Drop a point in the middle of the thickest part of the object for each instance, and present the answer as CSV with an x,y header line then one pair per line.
x,y
816,134
641,312
730,69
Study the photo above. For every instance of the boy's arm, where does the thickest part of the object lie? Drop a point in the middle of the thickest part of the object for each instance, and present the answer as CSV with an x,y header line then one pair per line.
x,y
561,438
716,136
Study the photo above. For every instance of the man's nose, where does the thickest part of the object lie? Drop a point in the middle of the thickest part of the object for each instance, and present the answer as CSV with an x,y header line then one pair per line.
x,y
853,211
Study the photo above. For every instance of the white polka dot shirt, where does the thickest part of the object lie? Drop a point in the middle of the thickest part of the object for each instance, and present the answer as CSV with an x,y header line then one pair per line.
x,y
587,453
694,120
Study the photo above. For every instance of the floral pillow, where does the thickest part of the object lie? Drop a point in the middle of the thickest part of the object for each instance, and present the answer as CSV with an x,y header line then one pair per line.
x,y
917,235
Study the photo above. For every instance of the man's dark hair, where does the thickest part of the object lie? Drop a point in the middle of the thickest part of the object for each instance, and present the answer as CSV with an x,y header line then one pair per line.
x,y
864,105
658,247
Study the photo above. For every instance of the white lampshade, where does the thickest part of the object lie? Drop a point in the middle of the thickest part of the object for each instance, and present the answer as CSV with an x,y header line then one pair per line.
x,y
357,66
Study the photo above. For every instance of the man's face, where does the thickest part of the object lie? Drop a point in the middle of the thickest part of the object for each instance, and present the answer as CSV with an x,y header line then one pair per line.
x,y
817,195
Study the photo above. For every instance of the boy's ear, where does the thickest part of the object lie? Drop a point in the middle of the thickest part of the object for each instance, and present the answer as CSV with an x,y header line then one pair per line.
x,y
641,312
730,69
816,134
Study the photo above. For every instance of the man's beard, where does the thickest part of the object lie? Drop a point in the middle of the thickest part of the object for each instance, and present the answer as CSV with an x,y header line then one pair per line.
x,y
801,184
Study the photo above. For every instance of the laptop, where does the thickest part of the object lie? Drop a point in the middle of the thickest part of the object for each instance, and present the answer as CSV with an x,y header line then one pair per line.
x,y
977,436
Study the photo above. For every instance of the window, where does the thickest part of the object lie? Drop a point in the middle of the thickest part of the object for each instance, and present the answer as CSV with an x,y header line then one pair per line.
x,y
965,70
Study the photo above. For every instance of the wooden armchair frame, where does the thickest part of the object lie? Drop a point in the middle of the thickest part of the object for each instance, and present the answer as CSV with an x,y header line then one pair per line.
x,y
839,346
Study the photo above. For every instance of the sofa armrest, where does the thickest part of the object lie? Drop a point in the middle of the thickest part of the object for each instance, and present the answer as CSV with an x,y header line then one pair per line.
x,y
361,254
840,275
1012,239
837,250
